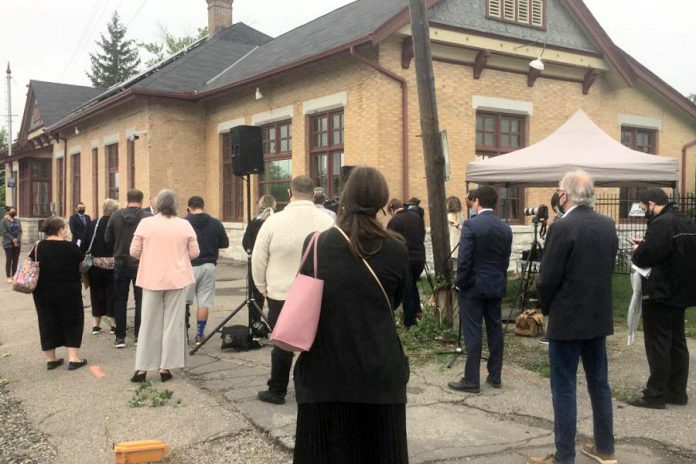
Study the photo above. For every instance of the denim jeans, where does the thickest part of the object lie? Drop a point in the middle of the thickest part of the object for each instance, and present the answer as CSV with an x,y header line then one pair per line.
x,y
563,357
472,312
411,302
281,360
123,277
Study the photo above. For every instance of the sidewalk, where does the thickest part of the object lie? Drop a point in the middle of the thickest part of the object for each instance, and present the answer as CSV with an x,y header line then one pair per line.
x,y
220,419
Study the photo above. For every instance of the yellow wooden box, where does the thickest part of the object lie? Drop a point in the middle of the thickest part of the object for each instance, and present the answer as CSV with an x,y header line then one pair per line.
x,y
137,452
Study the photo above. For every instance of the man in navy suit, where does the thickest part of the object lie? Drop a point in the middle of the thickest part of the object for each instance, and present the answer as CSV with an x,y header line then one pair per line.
x,y
78,224
484,256
574,287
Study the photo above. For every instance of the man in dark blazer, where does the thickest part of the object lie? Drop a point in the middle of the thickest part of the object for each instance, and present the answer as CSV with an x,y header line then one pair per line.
x,y
484,256
79,222
574,287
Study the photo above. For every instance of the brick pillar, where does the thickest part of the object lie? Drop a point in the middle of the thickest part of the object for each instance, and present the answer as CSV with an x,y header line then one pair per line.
x,y
219,15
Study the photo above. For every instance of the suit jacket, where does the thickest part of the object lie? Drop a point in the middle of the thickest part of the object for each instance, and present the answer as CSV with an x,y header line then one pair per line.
x,y
484,256
78,230
574,282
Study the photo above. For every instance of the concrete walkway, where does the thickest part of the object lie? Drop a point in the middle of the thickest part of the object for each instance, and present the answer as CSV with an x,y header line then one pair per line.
x,y
219,419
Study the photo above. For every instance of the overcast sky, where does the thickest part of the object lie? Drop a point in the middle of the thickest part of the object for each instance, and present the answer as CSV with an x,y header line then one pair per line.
x,y
50,40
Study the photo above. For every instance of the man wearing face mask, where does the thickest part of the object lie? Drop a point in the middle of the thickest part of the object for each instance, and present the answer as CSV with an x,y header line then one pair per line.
x,y
79,222
669,249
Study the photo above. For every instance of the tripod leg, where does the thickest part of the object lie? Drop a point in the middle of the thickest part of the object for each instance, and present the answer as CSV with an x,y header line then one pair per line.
x,y
458,350
219,327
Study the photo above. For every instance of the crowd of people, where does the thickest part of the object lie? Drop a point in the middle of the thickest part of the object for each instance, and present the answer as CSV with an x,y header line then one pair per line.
x,y
350,386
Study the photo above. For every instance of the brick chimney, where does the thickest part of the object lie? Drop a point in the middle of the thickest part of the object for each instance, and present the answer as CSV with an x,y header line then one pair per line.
x,y
219,15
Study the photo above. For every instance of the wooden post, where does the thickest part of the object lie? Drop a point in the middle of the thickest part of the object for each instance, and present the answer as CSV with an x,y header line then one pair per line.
x,y
432,143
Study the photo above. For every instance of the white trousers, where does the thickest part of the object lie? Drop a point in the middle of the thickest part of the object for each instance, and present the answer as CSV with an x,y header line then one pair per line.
x,y
162,337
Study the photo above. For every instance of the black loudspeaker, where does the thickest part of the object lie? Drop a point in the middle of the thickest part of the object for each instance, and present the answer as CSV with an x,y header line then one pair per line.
x,y
345,173
247,150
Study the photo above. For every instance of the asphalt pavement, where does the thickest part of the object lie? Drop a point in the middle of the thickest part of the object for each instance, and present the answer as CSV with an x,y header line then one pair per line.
x,y
213,415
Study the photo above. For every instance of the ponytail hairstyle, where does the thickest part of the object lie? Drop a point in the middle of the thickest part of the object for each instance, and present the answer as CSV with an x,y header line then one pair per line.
x,y
364,194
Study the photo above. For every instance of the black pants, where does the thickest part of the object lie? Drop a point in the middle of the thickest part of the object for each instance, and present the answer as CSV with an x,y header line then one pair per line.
x,y
11,261
411,301
667,352
281,360
101,292
123,277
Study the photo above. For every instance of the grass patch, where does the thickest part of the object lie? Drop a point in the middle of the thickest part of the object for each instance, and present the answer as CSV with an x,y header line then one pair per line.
x,y
146,395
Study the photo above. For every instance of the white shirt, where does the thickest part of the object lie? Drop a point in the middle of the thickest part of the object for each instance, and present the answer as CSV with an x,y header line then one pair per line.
x,y
277,252
568,212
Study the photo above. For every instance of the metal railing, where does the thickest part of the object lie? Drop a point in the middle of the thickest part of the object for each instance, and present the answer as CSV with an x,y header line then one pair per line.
x,y
628,226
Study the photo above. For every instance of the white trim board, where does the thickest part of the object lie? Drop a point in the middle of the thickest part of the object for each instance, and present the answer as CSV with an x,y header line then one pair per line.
x,y
274,115
325,103
479,102
642,122
75,150
227,125
110,139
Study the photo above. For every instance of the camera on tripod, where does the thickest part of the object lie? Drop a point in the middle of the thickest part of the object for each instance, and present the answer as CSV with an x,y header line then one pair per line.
x,y
540,213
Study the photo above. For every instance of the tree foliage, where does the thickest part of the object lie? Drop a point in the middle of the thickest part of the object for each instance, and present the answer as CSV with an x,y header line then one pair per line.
x,y
169,44
692,97
117,58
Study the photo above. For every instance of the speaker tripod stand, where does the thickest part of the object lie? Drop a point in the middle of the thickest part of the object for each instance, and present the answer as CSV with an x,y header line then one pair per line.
x,y
250,302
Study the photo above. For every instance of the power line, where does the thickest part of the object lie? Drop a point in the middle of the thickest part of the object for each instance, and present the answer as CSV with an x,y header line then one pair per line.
x,y
136,13
88,31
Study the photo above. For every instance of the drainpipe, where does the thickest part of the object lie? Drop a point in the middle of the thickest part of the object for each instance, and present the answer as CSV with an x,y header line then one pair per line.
x,y
683,173
404,114
65,173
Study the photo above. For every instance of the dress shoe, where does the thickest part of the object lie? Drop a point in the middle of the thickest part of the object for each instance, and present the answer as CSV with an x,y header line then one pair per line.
x,y
50,365
77,364
165,376
464,386
268,396
139,377
493,383
550,459
643,402
589,449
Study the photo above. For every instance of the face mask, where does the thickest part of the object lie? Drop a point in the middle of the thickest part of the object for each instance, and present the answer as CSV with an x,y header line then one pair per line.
x,y
81,211
13,213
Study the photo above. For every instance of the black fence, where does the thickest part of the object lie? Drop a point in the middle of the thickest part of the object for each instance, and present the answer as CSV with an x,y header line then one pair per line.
x,y
623,209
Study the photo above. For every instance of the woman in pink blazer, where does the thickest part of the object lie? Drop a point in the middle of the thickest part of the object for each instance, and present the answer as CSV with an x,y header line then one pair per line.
x,y
165,245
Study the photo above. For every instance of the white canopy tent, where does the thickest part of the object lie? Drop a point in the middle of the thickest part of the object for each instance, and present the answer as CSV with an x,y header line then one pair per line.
x,y
577,144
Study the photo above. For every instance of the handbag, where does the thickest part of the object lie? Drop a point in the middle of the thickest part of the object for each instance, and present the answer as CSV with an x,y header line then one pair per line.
x,y
297,323
88,261
27,276
529,324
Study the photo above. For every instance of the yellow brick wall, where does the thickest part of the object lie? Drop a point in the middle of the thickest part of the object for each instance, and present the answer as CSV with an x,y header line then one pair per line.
x,y
117,121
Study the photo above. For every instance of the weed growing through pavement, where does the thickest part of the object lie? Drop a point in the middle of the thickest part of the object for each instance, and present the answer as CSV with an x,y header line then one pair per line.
x,y
147,395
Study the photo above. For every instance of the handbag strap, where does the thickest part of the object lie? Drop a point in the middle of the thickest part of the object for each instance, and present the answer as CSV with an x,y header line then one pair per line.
x,y
369,268
35,249
311,245
94,234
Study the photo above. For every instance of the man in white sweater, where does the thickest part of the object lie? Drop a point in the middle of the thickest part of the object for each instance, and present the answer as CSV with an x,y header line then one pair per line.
x,y
274,264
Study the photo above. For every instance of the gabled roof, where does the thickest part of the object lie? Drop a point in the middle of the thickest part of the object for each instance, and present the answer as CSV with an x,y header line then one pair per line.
x,y
351,23
56,100
240,55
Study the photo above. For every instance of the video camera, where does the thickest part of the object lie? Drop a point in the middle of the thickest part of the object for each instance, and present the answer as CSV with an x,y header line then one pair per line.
x,y
540,213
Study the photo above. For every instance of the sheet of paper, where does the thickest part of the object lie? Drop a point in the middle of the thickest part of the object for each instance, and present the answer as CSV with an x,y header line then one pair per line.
x,y
645,272
78,242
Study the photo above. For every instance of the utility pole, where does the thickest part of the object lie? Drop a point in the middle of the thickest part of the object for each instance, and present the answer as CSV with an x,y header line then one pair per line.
x,y
9,178
432,142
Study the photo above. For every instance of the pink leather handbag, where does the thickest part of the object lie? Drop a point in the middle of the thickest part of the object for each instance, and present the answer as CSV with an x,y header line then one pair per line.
x,y
297,323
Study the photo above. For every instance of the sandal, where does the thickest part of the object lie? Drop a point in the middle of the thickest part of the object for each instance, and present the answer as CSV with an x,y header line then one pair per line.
x,y
139,377
166,375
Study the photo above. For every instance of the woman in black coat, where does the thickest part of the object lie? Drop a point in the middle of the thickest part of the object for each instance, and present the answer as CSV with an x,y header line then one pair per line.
x,y
101,274
58,295
351,385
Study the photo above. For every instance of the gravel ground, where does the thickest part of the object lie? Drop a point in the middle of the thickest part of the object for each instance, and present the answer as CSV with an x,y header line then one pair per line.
x,y
243,448
20,442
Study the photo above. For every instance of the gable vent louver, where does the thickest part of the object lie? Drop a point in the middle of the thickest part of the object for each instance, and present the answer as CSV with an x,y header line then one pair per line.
x,y
494,9
523,11
509,10
537,17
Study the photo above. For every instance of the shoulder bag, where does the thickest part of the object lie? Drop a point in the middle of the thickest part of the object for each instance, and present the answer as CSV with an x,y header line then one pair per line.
x,y
297,323
88,261
27,276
